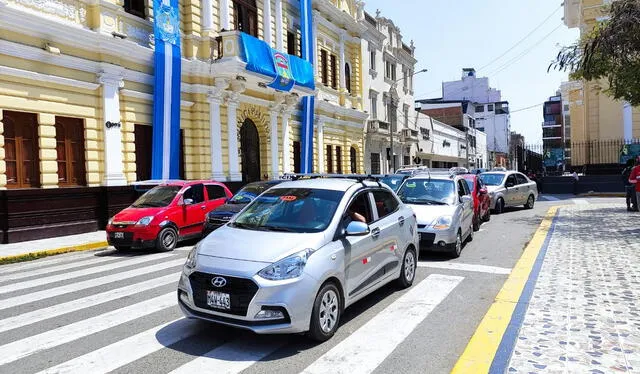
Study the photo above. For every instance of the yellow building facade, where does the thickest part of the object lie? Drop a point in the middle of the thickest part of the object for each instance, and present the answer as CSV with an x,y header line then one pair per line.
x,y
65,63
594,115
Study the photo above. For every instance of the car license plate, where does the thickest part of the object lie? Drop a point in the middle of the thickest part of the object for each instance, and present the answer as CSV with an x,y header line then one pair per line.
x,y
218,300
118,235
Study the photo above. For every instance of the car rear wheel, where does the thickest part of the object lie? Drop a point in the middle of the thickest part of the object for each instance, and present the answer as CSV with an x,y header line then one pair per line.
x,y
487,216
530,202
476,222
408,270
325,316
499,206
167,239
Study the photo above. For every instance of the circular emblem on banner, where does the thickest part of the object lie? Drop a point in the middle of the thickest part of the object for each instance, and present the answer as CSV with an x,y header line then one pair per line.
x,y
167,23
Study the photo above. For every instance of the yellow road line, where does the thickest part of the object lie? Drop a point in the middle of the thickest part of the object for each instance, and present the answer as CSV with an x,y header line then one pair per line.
x,y
481,350
50,252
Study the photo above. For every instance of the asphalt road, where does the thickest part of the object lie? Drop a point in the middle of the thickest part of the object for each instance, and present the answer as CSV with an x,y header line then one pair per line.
x,y
103,311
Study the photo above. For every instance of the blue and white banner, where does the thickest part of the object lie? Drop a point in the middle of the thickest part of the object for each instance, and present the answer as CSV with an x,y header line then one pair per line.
x,y
166,93
306,26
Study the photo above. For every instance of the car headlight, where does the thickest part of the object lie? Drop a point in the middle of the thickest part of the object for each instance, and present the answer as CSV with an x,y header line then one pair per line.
x,y
192,258
110,221
144,221
442,223
288,268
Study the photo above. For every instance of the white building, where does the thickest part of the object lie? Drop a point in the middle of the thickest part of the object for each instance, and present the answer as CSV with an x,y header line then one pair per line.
x,y
491,112
387,60
440,145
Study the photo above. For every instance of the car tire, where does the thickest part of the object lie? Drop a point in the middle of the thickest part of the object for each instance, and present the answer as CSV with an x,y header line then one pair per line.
x,y
456,248
487,216
326,313
408,269
530,202
167,239
476,222
499,206
470,236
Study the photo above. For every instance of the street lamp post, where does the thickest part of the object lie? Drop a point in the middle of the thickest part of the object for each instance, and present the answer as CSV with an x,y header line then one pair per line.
x,y
393,102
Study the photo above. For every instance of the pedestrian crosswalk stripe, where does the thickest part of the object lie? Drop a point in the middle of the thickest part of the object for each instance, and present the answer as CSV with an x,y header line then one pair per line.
x,y
49,261
356,354
464,267
44,281
73,287
24,347
580,202
125,351
230,358
52,269
85,302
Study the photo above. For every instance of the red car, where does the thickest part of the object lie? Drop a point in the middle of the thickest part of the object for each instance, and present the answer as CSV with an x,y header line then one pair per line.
x,y
481,200
170,212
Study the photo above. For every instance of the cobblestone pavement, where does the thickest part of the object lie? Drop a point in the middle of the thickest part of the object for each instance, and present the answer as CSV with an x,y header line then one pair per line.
x,y
584,314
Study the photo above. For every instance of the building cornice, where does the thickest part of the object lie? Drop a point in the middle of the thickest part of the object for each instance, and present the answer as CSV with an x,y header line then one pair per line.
x,y
326,10
47,78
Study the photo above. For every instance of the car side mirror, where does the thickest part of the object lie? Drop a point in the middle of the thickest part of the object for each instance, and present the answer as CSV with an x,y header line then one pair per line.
x,y
509,185
465,199
187,202
357,228
483,191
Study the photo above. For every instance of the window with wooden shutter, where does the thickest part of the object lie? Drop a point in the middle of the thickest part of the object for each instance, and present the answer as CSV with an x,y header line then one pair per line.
x,y
245,18
70,150
334,72
347,77
296,156
339,159
135,7
329,159
21,149
324,72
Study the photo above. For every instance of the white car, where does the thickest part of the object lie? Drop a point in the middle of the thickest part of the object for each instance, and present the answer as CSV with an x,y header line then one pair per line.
x,y
509,188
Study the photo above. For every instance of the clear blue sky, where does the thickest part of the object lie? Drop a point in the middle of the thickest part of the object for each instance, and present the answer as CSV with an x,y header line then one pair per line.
x,y
451,35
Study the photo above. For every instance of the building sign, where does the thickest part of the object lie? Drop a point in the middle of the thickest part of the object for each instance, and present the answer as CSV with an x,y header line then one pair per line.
x,y
553,157
284,77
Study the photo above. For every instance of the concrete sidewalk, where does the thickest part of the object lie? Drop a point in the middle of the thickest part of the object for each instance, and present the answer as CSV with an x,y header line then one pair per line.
x,y
45,247
583,314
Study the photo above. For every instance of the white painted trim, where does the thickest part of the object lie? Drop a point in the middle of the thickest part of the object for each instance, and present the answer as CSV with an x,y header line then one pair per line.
x,y
465,267
39,77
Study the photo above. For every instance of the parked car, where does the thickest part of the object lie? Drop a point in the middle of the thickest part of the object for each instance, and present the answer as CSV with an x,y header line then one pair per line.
x,y
165,215
444,209
222,215
479,171
393,181
297,255
509,188
481,200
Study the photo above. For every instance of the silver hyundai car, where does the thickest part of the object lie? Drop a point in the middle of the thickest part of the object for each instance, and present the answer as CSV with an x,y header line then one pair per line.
x,y
509,188
299,254
444,209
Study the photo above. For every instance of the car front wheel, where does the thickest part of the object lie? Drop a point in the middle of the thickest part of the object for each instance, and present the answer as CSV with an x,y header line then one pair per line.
x,y
408,270
325,316
456,248
499,206
167,239
530,201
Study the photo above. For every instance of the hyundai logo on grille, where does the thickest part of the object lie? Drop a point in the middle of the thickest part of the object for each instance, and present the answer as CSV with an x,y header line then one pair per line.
x,y
218,282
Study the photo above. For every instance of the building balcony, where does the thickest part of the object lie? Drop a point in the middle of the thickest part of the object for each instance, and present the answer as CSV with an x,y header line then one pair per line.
x,y
253,59
550,124
378,127
409,135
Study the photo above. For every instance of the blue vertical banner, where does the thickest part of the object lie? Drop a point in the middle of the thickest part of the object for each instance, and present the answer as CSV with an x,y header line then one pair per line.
x,y
165,163
306,144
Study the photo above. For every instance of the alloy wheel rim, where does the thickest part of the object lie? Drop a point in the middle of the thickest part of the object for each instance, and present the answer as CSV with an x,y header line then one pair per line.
x,y
409,266
168,239
328,311
530,201
458,244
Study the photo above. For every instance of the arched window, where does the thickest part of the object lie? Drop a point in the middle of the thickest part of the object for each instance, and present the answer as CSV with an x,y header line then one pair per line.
x,y
245,16
347,77
70,149
21,149
354,160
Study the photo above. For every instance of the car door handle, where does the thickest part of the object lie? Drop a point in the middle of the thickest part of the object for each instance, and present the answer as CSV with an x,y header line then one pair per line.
x,y
375,233
401,220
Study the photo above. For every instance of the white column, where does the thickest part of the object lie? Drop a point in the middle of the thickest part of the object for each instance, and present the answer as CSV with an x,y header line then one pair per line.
x,y
207,15
266,21
627,115
215,136
279,29
114,167
232,131
225,18
343,82
320,142
286,144
275,155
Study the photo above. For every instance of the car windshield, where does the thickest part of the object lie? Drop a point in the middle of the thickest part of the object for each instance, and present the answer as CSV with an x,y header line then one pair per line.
x,y
248,193
427,192
393,182
492,179
297,210
157,197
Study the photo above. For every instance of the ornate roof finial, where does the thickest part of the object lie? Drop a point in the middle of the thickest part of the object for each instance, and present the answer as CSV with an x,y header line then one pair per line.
x,y
377,13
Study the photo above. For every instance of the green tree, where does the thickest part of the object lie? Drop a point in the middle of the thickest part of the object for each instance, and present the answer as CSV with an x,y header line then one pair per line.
x,y
610,51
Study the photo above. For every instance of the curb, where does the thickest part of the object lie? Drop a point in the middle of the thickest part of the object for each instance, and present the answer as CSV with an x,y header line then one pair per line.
x,y
487,340
603,194
50,252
